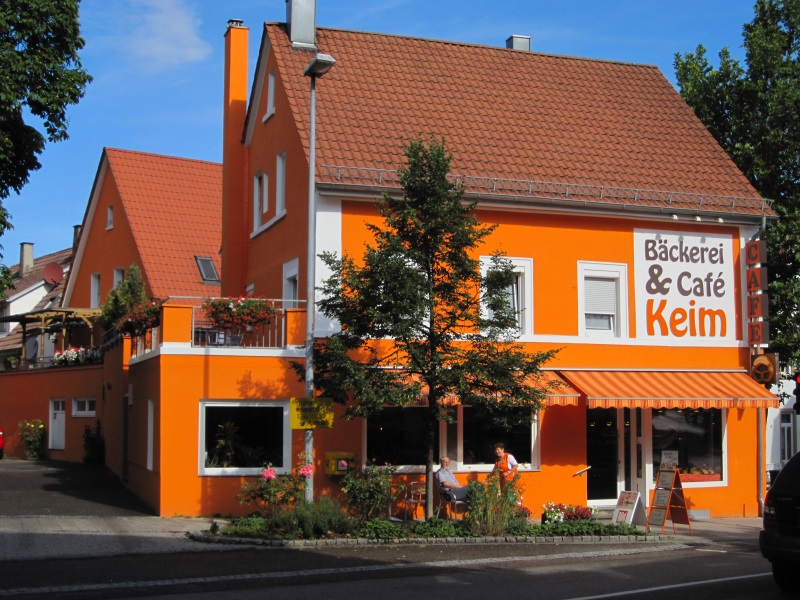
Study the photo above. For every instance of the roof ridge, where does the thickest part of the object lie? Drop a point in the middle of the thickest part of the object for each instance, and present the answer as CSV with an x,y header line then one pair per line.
x,y
476,45
159,155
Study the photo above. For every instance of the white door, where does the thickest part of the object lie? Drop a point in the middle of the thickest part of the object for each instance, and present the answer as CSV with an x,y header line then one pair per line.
x,y
57,424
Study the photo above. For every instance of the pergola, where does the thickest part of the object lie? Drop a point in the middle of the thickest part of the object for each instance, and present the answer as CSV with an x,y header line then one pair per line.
x,y
53,320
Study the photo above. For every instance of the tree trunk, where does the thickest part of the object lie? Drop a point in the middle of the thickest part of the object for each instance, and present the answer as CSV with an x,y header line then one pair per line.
x,y
433,422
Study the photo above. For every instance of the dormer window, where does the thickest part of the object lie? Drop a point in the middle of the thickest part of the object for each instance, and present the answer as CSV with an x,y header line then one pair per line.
x,y
207,270
110,218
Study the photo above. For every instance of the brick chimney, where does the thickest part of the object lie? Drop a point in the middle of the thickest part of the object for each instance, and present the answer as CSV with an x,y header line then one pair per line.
x,y
25,258
234,163
301,21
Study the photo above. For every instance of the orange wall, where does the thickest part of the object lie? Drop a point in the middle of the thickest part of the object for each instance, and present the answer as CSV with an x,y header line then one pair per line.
x,y
287,238
105,249
26,395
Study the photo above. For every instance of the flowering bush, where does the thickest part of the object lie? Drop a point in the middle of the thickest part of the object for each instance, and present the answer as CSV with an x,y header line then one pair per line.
x,y
272,492
140,318
77,356
238,312
32,433
556,513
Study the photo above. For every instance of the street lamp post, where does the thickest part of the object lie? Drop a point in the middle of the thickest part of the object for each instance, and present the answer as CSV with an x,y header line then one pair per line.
x,y
320,65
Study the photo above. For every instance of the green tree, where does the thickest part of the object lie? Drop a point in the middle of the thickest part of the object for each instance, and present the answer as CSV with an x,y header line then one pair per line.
x,y
127,294
411,315
754,113
40,76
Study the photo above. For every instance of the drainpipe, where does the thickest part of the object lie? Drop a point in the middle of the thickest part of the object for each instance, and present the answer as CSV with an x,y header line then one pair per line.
x,y
761,460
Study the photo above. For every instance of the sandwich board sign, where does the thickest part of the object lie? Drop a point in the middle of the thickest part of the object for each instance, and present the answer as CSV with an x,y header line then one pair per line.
x,y
629,509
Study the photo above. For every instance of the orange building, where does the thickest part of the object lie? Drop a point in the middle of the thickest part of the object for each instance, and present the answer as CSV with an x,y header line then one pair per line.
x,y
625,221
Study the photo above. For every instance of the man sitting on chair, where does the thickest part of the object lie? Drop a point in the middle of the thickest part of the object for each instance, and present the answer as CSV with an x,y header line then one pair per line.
x,y
448,486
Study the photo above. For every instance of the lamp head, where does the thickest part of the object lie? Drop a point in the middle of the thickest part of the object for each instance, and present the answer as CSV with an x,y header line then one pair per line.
x,y
320,65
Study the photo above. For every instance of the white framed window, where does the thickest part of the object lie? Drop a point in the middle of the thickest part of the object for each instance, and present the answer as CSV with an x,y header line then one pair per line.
x,y
150,433
242,437
83,407
396,436
270,110
4,327
110,217
788,447
94,291
520,291
260,199
602,300
699,436
280,184
291,288
119,276
250,290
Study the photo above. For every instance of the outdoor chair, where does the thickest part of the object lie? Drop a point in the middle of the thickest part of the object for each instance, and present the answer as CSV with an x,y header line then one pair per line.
x,y
449,504
415,496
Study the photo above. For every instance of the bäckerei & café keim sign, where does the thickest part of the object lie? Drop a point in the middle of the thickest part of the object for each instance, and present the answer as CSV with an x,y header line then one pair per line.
x,y
684,285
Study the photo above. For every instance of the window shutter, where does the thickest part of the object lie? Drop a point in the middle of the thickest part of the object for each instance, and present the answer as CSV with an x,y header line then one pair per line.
x,y
600,296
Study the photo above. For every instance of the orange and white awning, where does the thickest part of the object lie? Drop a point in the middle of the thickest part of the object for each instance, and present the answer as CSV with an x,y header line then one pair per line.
x,y
670,389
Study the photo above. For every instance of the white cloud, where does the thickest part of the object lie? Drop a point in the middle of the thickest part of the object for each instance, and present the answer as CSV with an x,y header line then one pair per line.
x,y
164,35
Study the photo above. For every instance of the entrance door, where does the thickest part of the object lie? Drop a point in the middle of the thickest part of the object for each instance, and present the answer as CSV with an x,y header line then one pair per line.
x,y
57,424
604,454
638,446
618,450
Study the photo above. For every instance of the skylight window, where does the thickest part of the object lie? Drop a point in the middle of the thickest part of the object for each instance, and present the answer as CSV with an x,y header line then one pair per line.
x,y
207,270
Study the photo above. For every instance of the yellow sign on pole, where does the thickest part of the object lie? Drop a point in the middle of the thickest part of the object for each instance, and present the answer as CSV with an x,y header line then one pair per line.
x,y
311,413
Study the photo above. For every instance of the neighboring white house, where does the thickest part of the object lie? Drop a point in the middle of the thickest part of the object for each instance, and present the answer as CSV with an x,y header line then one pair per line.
x,y
38,285
781,424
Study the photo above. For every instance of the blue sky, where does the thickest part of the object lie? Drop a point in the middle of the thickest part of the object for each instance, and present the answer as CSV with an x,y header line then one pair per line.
x,y
158,64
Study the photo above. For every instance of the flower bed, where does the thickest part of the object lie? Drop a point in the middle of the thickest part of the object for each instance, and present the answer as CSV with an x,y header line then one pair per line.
x,y
78,356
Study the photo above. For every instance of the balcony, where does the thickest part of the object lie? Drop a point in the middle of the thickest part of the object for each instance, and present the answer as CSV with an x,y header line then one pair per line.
x,y
184,322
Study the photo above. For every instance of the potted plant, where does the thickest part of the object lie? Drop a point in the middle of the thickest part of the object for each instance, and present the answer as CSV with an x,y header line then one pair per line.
x,y
239,313
141,317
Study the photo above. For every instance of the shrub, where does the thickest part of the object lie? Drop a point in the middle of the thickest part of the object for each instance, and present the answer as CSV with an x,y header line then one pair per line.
x,y
381,529
141,317
273,493
434,527
369,493
94,446
33,436
303,521
491,506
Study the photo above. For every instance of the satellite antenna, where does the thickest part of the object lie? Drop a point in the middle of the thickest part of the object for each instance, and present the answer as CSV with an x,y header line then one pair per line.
x,y
53,273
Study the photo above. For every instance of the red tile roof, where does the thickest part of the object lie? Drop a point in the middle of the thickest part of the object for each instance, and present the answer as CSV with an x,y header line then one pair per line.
x,y
35,276
509,115
174,207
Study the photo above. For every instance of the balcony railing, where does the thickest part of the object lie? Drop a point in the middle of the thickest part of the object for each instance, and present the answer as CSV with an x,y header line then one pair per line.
x,y
204,334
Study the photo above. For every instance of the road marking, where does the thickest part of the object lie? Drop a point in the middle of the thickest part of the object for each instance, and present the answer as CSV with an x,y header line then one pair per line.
x,y
444,564
672,587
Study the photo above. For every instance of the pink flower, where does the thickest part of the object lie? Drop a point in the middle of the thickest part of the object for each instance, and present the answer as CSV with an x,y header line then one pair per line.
x,y
268,474
306,471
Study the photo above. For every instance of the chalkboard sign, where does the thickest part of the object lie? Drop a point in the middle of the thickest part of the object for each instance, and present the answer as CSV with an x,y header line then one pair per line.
x,y
668,502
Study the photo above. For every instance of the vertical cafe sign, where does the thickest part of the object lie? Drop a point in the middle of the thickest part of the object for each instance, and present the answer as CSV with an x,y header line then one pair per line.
x,y
684,285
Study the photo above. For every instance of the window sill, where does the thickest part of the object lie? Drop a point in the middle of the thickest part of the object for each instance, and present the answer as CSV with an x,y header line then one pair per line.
x,y
268,224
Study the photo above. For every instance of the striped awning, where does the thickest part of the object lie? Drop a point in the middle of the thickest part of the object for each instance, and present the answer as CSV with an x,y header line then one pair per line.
x,y
561,395
670,389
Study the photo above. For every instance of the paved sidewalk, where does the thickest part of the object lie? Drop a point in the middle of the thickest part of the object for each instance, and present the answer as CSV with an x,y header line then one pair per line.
x,y
60,510
44,537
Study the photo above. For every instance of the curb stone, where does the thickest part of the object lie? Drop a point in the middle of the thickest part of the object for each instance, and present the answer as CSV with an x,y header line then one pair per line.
x,y
218,539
